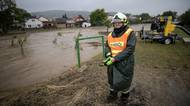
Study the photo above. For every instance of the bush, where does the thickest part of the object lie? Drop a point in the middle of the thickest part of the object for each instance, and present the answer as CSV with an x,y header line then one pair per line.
x,y
185,18
98,17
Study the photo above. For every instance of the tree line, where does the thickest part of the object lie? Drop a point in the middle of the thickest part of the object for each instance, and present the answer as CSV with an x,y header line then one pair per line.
x,y
11,16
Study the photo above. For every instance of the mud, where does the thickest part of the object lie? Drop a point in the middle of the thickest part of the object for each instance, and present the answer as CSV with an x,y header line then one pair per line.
x,y
74,88
151,87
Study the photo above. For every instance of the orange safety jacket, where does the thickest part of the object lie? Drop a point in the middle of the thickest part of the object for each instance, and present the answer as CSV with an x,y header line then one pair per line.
x,y
118,44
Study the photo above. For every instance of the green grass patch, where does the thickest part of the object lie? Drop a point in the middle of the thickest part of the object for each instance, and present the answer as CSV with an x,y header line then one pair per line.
x,y
155,54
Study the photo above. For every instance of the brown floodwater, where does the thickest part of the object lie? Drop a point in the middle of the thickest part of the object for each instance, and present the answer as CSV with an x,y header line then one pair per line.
x,y
47,55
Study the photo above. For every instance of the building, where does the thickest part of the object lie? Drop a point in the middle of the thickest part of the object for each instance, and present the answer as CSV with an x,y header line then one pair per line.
x,y
43,19
70,23
61,22
86,24
33,23
47,23
79,20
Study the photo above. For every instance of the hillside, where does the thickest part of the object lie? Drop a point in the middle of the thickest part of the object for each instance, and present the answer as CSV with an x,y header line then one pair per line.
x,y
60,13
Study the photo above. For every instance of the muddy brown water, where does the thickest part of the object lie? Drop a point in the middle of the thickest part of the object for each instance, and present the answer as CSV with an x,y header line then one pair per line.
x,y
45,57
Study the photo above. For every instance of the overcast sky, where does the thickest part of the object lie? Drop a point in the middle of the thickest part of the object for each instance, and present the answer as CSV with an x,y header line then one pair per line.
x,y
152,7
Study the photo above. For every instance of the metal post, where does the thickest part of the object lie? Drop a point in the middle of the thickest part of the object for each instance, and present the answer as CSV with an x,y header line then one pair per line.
x,y
78,51
84,38
103,46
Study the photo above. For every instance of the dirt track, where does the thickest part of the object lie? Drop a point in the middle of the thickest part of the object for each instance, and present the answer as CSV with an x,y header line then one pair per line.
x,y
73,88
160,80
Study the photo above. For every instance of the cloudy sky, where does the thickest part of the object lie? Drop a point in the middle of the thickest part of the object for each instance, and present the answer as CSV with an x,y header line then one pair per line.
x,y
152,7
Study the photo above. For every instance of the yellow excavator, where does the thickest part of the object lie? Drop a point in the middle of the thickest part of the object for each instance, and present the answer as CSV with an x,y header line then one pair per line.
x,y
162,30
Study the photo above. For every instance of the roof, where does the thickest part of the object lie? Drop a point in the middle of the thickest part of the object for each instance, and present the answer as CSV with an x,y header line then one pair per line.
x,y
42,19
61,20
78,18
70,21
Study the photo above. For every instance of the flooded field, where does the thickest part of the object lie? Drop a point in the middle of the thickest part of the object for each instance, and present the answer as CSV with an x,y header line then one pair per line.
x,y
47,55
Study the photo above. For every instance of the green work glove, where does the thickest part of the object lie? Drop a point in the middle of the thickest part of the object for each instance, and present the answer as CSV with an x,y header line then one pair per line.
x,y
109,61
106,60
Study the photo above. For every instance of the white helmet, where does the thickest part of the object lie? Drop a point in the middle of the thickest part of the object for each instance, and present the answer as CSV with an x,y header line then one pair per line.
x,y
120,17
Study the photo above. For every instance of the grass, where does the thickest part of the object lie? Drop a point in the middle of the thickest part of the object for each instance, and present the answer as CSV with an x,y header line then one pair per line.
x,y
156,54
152,54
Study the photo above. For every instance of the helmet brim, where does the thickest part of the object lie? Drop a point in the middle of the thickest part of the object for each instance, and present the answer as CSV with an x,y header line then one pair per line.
x,y
115,20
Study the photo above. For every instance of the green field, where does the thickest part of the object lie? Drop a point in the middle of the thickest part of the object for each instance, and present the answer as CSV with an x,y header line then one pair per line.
x,y
160,54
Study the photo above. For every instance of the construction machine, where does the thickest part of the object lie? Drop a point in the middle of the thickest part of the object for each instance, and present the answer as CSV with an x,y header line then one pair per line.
x,y
162,30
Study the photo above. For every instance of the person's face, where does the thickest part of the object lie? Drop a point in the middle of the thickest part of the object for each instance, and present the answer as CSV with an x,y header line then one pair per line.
x,y
117,24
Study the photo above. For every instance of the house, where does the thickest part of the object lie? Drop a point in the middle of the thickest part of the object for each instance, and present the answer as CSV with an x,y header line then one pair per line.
x,y
61,22
86,24
33,23
70,23
43,19
65,22
79,20
47,23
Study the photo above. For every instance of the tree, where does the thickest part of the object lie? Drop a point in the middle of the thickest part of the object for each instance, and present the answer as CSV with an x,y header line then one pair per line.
x,y
170,13
185,18
98,17
5,4
6,15
21,15
145,16
10,14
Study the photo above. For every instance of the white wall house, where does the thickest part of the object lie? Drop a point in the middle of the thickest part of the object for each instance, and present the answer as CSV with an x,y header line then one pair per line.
x,y
86,24
33,23
42,19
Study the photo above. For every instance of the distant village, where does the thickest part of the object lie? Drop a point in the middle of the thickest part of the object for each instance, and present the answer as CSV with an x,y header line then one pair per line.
x,y
62,22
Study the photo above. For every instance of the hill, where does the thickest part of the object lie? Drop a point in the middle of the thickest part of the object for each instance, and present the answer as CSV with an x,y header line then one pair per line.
x,y
60,13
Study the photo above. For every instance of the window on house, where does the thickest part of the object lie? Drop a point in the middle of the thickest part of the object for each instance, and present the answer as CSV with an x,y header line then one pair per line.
x,y
33,20
29,26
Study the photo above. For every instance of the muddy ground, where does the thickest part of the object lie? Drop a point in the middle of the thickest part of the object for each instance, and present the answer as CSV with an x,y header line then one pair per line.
x,y
161,79
74,87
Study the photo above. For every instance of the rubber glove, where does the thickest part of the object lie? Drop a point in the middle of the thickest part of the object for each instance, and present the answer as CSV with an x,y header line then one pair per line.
x,y
109,61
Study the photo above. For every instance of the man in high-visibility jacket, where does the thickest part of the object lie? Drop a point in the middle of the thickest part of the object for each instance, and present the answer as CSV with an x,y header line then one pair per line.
x,y
119,60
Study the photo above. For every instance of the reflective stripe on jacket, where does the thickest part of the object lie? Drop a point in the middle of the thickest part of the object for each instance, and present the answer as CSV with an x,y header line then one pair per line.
x,y
118,44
